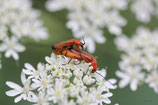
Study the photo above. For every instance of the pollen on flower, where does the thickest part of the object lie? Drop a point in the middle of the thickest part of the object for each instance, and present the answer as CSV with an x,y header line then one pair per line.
x,y
26,89
98,95
57,83
40,101
58,93
44,82
86,101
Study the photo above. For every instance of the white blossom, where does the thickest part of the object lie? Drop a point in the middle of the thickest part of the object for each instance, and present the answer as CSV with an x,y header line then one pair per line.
x,y
88,17
144,9
130,76
100,98
152,80
55,83
23,92
11,47
16,22
139,58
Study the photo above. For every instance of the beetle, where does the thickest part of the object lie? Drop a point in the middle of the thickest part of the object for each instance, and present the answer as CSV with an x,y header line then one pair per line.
x,y
73,53
68,44
66,48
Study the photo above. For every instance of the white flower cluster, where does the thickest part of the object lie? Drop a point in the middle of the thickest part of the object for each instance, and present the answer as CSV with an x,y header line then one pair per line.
x,y
140,59
88,17
55,83
18,20
143,9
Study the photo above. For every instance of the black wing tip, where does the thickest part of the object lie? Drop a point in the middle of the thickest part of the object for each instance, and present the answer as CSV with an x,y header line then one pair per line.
x,y
53,47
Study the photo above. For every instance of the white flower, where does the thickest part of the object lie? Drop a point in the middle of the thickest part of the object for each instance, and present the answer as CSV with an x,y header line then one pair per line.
x,y
130,76
152,80
30,70
143,9
85,98
56,5
87,17
97,16
58,92
11,46
122,42
118,4
140,51
3,32
23,92
78,73
100,98
106,85
55,83
66,102
19,29
40,99
88,80
92,35
42,82
113,22
17,22
36,31
77,20
156,7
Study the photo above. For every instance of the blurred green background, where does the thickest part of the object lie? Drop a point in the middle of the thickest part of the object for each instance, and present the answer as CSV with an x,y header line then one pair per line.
x,y
56,24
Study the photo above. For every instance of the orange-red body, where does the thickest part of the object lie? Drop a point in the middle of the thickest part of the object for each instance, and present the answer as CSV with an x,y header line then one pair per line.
x,y
80,55
68,44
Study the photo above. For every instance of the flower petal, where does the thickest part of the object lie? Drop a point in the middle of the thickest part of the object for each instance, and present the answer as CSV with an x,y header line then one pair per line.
x,y
123,83
13,85
12,93
17,99
133,85
29,66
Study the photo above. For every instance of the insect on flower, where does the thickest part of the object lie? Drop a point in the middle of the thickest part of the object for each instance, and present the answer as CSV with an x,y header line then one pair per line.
x,y
67,48
73,53
68,44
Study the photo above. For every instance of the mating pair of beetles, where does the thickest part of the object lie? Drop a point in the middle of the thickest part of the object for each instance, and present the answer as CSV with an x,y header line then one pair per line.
x,y
67,48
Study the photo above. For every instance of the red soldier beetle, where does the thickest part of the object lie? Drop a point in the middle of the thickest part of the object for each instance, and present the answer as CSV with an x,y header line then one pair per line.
x,y
68,44
73,53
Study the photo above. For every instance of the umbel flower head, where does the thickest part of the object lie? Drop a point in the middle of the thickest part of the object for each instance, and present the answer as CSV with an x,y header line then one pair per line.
x,y
16,22
144,9
140,59
88,17
54,83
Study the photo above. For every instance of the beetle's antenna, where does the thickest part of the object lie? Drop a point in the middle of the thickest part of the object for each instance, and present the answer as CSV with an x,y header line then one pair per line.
x,y
84,41
106,80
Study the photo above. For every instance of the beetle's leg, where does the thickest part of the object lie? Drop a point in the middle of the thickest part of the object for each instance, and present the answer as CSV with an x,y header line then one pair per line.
x,y
87,69
66,53
57,52
78,63
68,62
